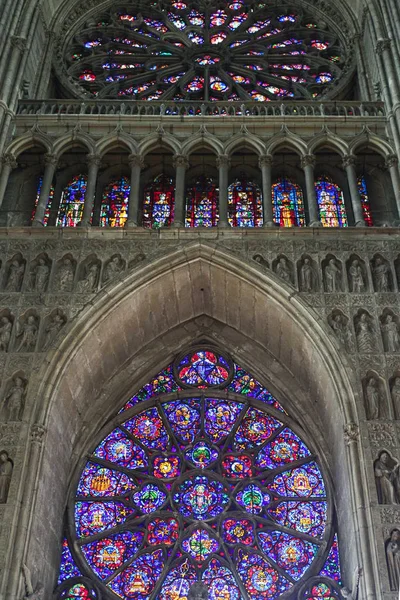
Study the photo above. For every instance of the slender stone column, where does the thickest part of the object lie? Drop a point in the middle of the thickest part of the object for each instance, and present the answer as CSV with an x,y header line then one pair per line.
x,y
308,164
8,163
136,164
181,164
51,163
265,164
94,162
392,163
223,169
349,163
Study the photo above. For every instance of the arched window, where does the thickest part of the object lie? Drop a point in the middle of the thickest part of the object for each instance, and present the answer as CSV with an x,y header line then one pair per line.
x,y
202,203
48,205
244,204
158,203
72,202
216,487
114,207
365,204
332,211
288,203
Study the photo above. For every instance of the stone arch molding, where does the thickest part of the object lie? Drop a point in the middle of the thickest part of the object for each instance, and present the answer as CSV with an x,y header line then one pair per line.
x,y
132,329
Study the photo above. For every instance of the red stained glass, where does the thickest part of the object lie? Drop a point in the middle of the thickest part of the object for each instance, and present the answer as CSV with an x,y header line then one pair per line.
x,y
158,203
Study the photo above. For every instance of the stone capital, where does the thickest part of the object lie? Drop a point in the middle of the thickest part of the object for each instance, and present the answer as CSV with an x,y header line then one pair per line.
x,y
223,161
382,45
50,159
93,160
265,161
8,160
37,433
392,161
136,160
351,434
308,160
181,161
349,161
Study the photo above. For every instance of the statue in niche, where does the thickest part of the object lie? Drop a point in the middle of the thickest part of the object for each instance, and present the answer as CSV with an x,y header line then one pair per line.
x,y
198,591
393,559
15,399
333,277
113,269
283,270
52,329
365,335
261,260
390,334
5,333
307,276
65,275
342,332
357,284
386,471
136,260
28,335
89,281
31,592
15,276
6,469
396,395
381,273
40,276
373,398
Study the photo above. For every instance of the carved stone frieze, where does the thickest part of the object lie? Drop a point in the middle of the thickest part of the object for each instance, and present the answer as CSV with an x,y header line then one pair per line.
x,y
382,435
390,299
390,515
336,300
10,435
362,300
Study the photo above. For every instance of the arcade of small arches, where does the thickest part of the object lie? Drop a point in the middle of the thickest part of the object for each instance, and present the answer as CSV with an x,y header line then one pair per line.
x,y
201,188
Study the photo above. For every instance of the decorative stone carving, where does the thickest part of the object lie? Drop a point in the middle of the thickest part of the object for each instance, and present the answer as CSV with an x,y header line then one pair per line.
x,y
374,398
6,470
261,260
89,277
15,274
381,275
395,392
284,269
6,326
27,333
52,328
351,433
387,478
37,433
390,515
15,399
340,325
357,276
382,434
64,280
136,260
40,273
393,559
307,274
332,269
365,333
390,332
113,268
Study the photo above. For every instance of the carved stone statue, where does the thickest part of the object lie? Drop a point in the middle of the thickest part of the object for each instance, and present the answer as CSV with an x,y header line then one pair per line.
x,y
381,273
333,277
261,260
136,260
390,335
15,399
15,276
31,592
40,276
6,469
342,332
90,279
28,335
307,277
5,333
198,591
365,335
396,396
51,331
373,398
356,277
283,270
65,275
387,478
393,559
113,269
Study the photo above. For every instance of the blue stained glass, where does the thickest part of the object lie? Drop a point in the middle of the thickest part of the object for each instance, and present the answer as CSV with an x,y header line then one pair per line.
x,y
304,517
95,517
48,205
199,545
203,369
253,499
288,203
256,427
260,579
68,568
97,480
149,498
202,455
163,383
365,203
149,429
202,204
178,582
184,418
139,579
220,582
114,207
243,383
331,567
332,211
285,448
201,498
220,416
109,554
303,482
119,449
72,201
158,202
244,204
290,553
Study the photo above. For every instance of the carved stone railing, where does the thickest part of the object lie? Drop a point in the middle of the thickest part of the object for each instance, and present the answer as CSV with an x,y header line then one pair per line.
x,y
205,109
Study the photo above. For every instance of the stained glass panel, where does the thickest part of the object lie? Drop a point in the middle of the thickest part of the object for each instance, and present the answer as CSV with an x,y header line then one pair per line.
x,y
158,202
332,211
290,553
178,582
72,201
244,204
109,554
114,206
48,205
202,203
139,579
260,579
288,204
331,568
365,203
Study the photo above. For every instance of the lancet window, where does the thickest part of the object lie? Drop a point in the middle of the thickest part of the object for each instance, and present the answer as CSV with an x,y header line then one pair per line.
x,y
48,205
158,202
244,204
202,203
114,206
288,204
208,481
332,211
72,202
365,203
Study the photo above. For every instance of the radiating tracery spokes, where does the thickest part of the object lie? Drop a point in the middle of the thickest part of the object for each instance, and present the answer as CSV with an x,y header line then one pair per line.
x,y
246,51
204,488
